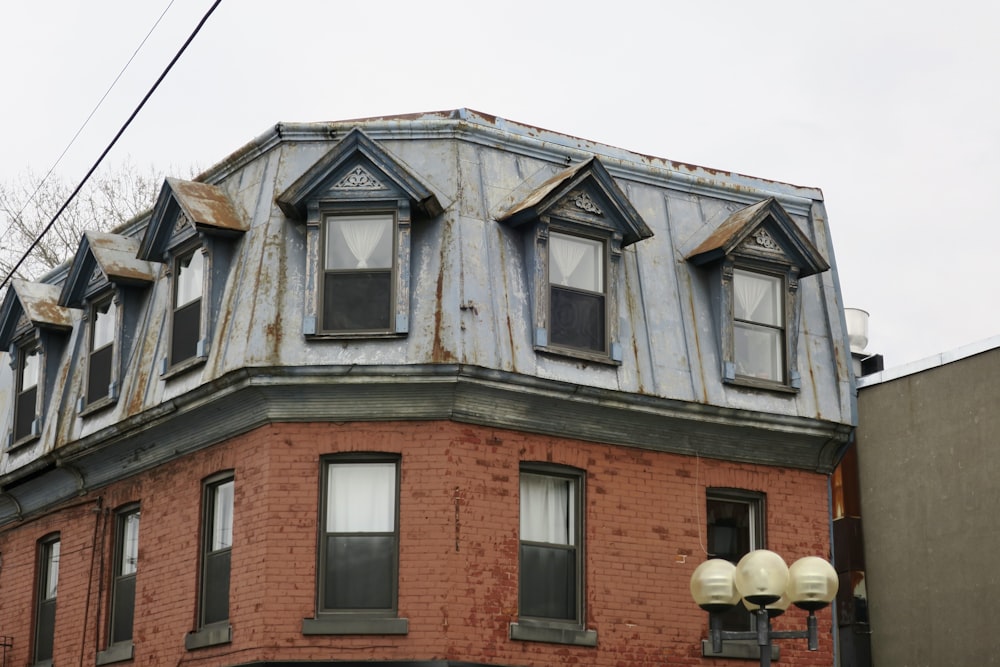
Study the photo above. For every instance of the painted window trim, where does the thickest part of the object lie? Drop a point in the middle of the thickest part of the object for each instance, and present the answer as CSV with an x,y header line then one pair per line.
x,y
170,368
215,632
43,553
742,648
573,632
319,211
29,341
545,225
791,381
85,406
353,621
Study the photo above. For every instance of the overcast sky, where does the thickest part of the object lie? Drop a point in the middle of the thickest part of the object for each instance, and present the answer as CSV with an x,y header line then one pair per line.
x,y
891,108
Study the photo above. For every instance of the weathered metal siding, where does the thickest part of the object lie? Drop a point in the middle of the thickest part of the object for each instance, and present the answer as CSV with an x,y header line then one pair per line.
x,y
470,290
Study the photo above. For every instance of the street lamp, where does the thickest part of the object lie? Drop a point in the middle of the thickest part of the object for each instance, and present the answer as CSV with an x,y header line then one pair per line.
x,y
766,586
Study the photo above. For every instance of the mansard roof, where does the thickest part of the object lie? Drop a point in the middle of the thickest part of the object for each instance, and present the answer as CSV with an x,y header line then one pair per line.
x,y
34,303
112,256
357,165
201,206
764,227
583,191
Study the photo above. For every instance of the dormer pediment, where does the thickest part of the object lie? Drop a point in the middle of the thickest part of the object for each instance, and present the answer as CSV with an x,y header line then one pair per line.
x,y
100,259
356,169
584,194
184,209
30,304
764,232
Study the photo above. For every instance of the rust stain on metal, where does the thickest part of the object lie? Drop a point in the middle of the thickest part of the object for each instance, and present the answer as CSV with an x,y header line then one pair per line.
x,y
117,257
207,205
439,353
40,302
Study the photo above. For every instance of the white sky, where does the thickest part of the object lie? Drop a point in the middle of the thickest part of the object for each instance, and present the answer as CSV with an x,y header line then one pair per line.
x,y
892,108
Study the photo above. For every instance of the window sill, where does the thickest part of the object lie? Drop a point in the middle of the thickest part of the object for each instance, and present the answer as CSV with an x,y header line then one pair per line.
x,y
26,440
766,385
355,335
553,634
740,649
116,653
572,353
355,624
210,635
182,367
98,406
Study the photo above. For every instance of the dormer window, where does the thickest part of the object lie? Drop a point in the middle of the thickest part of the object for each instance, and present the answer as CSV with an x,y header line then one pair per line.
x,y
356,203
29,364
194,229
757,257
359,263
576,224
759,325
108,282
34,328
185,321
100,360
577,297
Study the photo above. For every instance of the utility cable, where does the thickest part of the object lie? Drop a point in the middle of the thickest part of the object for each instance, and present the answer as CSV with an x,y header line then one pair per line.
x,y
114,141
96,107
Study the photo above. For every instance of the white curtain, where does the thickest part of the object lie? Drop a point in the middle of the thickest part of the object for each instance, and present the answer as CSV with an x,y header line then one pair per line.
x,y
547,512
750,291
362,236
130,543
105,318
222,517
52,576
566,255
189,279
361,497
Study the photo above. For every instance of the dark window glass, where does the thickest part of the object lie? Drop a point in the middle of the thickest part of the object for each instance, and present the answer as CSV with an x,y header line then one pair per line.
x,y
357,301
102,344
358,272
123,586
360,545
577,299
577,319
45,612
549,553
29,369
217,551
186,321
735,528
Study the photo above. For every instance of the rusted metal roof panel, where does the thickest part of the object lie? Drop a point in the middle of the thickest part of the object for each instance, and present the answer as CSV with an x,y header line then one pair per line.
x,y
206,205
470,302
40,302
117,257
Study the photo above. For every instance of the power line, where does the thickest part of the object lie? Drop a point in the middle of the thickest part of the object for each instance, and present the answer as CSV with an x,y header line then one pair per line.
x,y
114,141
55,164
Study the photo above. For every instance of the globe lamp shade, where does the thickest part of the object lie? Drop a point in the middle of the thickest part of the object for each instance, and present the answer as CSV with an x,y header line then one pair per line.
x,y
812,584
761,577
713,587
774,609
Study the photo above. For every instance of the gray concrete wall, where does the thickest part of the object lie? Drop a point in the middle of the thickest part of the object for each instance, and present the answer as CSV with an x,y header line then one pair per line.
x,y
929,466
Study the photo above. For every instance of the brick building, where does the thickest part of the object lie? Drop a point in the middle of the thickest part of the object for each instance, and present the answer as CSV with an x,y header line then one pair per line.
x,y
425,390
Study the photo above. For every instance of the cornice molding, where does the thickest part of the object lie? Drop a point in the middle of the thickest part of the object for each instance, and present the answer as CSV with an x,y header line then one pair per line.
x,y
250,398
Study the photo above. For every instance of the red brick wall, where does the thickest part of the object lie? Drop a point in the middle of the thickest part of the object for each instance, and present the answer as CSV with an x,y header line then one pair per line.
x,y
458,550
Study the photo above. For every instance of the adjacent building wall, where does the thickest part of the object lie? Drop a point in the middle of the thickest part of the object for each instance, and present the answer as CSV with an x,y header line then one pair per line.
x,y
927,447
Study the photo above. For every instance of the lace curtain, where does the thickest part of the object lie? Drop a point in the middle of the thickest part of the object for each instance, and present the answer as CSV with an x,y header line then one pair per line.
x,y
222,517
362,236
750,292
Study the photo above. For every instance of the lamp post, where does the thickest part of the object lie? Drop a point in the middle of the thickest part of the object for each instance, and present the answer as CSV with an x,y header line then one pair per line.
x,y
766,586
